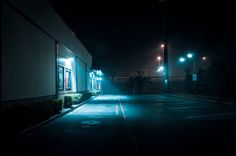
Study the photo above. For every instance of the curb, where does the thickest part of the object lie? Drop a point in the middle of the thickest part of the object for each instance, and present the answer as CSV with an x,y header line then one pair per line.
x,y
43,123
204,100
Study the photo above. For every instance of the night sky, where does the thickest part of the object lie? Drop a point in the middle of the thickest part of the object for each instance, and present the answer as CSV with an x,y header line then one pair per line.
x,y
125,36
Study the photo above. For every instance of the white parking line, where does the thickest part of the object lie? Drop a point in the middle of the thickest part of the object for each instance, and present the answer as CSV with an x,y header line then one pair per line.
x,y
117,110
129,129
196,107
192,98
209,115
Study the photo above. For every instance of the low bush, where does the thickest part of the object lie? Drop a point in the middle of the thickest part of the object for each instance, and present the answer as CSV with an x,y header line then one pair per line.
x,y
68,101
85,95
57,106
22,115
76,98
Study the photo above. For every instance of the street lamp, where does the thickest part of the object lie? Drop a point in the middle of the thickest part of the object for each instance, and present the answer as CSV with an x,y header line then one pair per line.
x,y
181,59
161,68
194,75
159,60
191,56
165,45
162,45
204,58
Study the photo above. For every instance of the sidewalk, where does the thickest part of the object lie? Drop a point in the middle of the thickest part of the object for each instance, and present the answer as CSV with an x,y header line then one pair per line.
x,y
214,99
63,112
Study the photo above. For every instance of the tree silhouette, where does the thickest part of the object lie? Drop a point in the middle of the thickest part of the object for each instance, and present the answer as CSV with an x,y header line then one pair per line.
x,y
138,81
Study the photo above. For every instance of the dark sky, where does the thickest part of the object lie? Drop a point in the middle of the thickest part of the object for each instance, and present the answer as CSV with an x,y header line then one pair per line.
x,y
125,36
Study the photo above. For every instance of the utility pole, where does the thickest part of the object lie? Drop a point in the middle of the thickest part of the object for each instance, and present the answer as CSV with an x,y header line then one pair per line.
x,y
166,66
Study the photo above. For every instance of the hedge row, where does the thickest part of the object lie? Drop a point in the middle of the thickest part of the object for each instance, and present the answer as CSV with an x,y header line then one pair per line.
x,y
21,116
76,98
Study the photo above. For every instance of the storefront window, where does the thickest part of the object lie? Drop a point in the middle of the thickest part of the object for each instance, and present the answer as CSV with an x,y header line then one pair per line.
x,y
68,79
61,78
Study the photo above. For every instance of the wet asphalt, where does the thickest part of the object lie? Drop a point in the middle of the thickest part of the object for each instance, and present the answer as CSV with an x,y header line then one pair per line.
x,y
135,125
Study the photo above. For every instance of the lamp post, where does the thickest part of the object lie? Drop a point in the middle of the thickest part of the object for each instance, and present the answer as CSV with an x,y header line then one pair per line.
x,y
191,56
165,44
194,74
159,60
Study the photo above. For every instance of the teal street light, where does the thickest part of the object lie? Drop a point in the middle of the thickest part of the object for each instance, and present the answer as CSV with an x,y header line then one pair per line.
x,y
161,68
189,55
181,59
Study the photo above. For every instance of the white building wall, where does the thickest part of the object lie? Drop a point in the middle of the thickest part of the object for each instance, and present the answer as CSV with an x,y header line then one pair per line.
x,y
88,79
81,75
28,59
43,15
30,30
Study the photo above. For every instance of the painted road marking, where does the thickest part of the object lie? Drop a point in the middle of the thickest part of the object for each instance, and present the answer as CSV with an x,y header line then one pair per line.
x,y
176,108
158,104
195,98
117,109
226,103
210,115
90,122
129,129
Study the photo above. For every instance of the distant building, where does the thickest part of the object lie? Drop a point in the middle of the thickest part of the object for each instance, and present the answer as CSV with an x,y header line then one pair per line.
x,y
41,57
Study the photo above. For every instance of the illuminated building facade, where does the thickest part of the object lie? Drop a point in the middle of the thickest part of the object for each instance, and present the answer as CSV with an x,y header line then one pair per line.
x,y
41,57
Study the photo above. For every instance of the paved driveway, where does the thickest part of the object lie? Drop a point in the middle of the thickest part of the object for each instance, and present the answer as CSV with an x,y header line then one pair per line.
x,y
136,125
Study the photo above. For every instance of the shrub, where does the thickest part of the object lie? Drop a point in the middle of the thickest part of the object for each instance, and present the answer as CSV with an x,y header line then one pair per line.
x,y
24,114
57,105
41,110
68,101
76,98
86,95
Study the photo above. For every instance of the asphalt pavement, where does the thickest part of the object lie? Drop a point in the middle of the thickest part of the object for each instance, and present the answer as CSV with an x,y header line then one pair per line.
x,y
135,125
